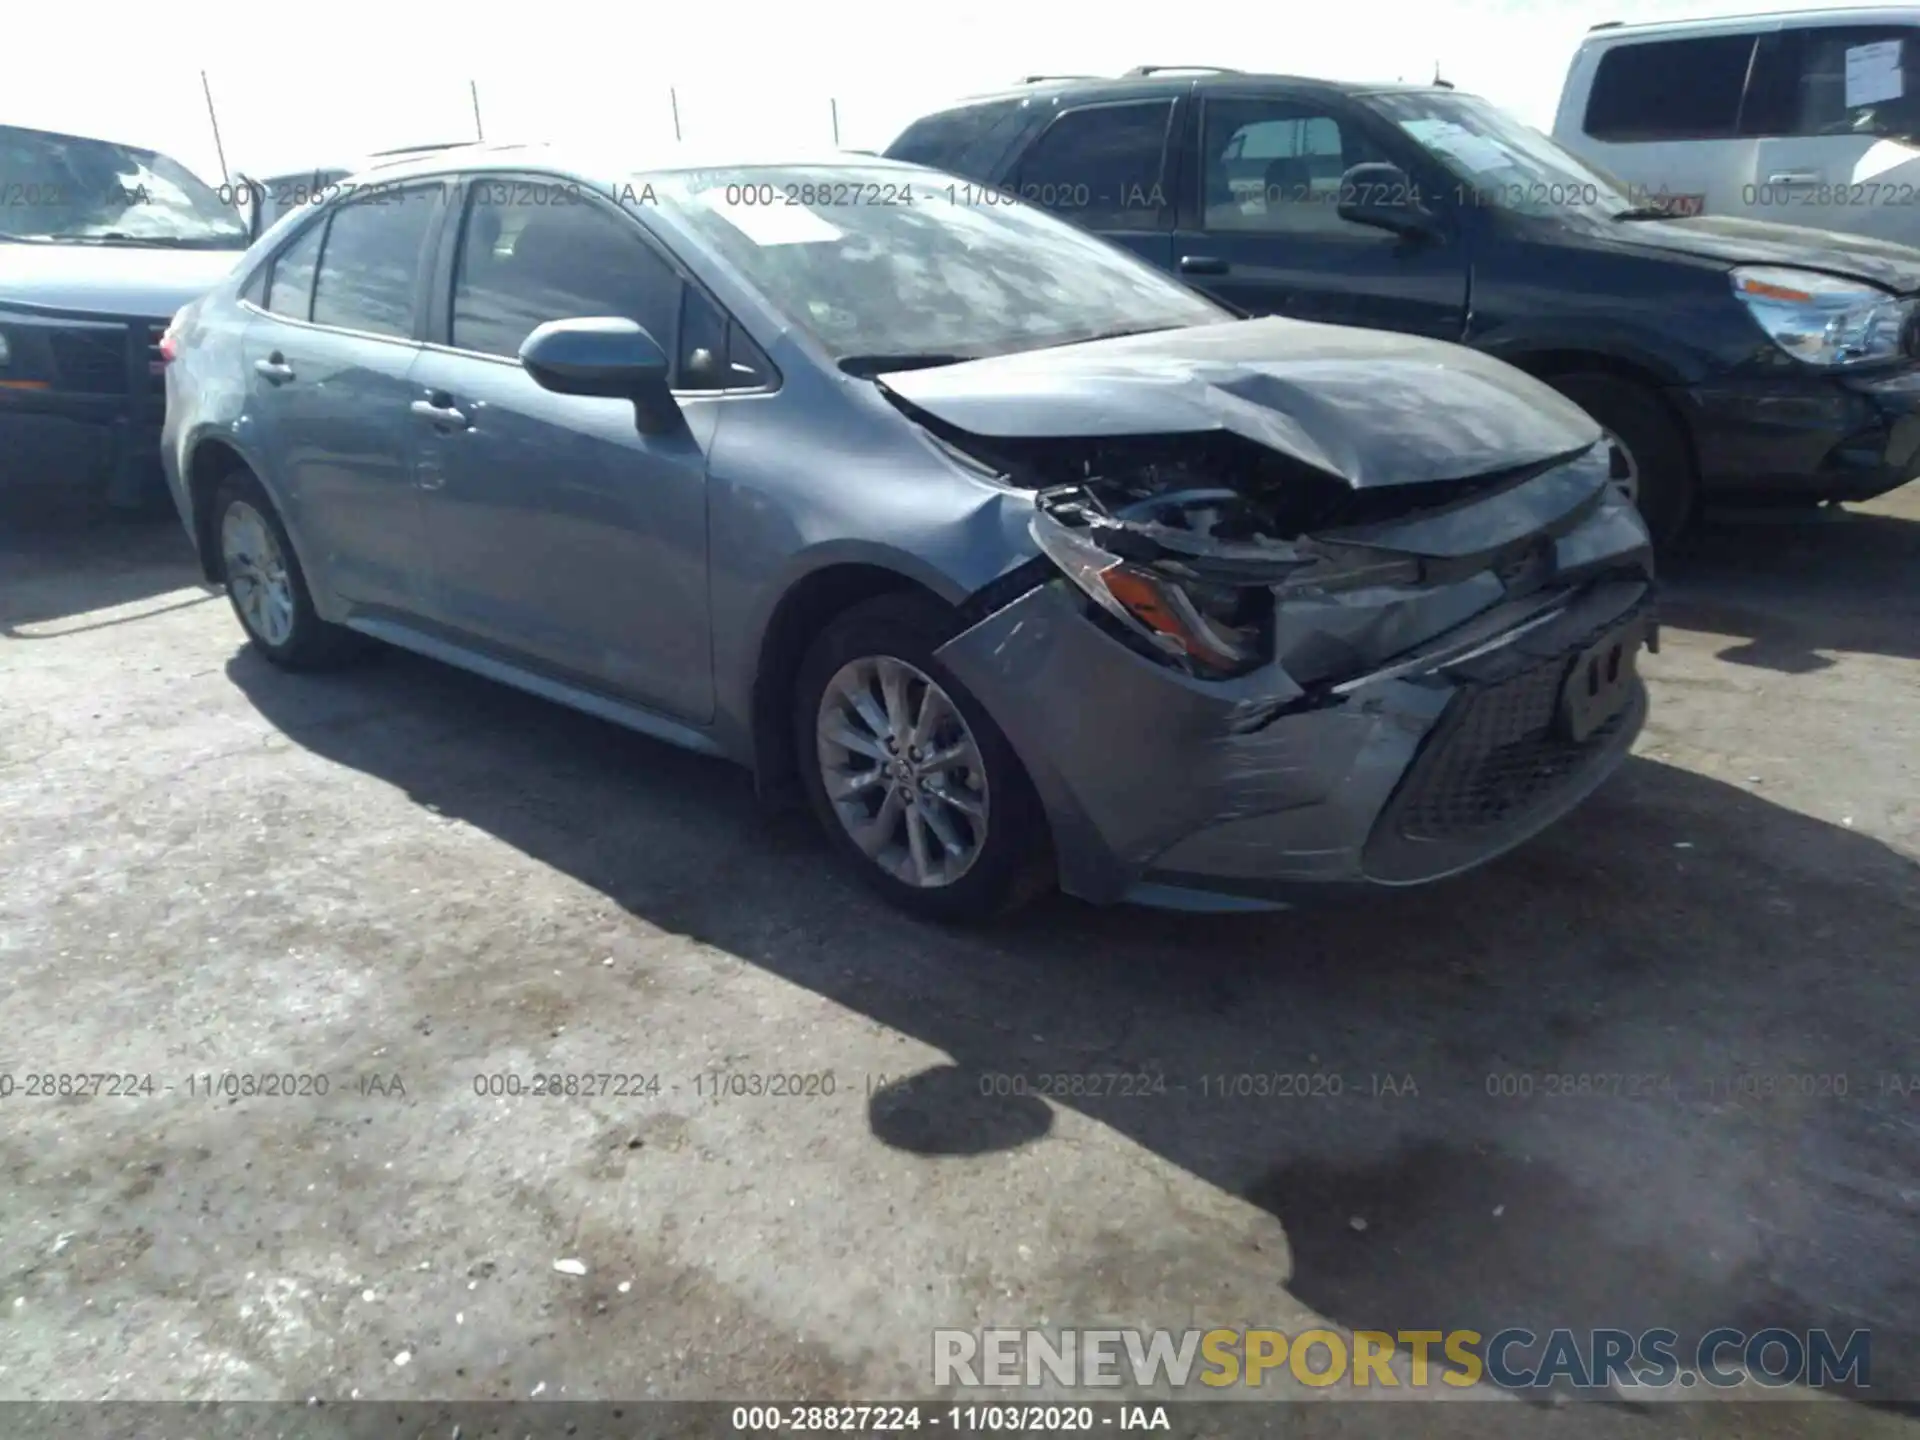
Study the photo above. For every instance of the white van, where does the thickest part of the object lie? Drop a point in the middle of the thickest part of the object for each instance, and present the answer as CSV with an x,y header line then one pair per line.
x,y
1805,117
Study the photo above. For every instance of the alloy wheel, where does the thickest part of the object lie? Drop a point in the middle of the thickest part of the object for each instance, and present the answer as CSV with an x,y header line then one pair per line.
x,y
257,574
902,771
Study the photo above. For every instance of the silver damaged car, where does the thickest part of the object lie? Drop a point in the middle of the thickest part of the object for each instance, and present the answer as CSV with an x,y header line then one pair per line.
x,y
1023,563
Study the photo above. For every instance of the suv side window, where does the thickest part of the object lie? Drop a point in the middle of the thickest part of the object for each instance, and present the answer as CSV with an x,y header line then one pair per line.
x,y
962,142
1103,167
534,251
1275,166
1669,90
370,265
290,285
1799,82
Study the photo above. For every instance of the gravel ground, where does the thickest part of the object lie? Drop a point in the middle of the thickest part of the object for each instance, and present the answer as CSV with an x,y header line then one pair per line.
x,y
400,878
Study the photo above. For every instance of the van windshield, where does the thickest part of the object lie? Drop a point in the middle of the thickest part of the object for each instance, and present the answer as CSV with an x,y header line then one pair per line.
x,y
63,189
1502,163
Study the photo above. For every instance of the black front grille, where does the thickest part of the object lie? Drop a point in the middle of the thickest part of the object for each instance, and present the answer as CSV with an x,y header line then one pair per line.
x,y
91,362
1499,757
1501,761
156,365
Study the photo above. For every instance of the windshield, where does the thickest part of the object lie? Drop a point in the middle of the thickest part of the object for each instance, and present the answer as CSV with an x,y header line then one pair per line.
x,y
1502,163
61,188
881,262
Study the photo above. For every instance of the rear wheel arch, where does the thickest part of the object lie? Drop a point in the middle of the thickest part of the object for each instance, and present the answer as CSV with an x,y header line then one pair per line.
x,y
813,602
209,464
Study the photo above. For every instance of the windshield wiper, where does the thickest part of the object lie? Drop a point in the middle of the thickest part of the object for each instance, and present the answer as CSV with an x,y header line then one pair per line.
x,y
865,367
1645,212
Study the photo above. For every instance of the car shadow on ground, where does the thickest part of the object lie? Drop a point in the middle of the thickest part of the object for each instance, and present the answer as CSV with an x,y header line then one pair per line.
x,y
1789,591
1732,978
67,555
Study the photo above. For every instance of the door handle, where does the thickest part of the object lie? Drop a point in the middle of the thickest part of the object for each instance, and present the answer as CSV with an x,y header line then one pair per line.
x,y
442,416
274,369
1794,177
1202,265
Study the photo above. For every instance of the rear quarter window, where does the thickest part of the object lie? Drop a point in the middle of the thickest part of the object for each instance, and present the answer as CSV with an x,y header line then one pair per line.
x,y
962,142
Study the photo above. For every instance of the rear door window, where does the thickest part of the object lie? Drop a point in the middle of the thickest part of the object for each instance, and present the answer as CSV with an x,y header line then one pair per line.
x,y
1669,90
290,285
1836,80
369,277
1103,167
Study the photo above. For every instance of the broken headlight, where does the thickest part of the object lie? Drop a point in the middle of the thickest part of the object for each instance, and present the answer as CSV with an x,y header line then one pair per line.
x,y
1211,629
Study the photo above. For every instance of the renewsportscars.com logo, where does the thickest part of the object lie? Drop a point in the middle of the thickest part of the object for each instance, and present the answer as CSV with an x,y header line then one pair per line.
x,y
1512,1359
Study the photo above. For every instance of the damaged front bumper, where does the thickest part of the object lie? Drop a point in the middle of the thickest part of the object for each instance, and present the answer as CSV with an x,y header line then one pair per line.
x,y
1401,733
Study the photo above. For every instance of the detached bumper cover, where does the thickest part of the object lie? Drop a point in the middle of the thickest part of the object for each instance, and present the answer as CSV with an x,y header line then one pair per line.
x,y
1813,436
1434,760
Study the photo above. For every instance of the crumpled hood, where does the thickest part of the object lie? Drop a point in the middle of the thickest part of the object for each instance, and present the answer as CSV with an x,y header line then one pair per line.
x,y
113,280
1761,242
1371,407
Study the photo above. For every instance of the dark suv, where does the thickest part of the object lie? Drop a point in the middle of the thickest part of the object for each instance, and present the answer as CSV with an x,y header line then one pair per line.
x,y
1728,358
100,244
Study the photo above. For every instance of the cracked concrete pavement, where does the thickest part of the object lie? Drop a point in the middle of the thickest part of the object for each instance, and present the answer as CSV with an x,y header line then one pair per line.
x,y
400,881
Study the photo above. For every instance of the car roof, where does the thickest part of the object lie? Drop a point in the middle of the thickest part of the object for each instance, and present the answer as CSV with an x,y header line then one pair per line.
x,y
601,164
1182,78
1608,31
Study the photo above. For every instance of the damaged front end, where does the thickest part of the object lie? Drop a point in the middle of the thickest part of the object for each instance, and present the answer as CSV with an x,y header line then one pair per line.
x,y
1252,678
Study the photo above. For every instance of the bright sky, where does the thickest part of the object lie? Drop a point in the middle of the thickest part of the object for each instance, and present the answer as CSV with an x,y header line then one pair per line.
x,y
303,85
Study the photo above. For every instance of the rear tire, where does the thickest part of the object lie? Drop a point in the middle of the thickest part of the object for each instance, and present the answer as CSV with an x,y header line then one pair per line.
x,y
872,680
1655,446
266,586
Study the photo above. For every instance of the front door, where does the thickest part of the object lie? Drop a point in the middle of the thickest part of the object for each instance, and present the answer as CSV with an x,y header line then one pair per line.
x,y
1264,233
560,534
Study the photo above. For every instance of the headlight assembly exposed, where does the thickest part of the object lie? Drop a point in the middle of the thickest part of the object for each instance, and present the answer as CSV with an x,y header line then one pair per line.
x,y
1205,627
1823,319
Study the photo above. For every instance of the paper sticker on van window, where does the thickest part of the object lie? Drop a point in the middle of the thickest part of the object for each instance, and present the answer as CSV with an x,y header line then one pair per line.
x,y
1873,73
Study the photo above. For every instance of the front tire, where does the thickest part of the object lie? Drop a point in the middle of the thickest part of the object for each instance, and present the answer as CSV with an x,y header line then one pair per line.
x,y
266,586
907,773
1653,461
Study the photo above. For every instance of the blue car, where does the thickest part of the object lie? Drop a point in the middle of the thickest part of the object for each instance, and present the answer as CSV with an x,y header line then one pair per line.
x,y
1022,562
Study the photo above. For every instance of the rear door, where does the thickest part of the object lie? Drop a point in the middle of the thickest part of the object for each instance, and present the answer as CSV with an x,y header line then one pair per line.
x,y
329,355
1835,112
561,535
1663,117
1105,166
1259,225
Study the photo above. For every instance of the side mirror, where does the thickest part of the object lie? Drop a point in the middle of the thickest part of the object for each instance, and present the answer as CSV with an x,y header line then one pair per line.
x,y
1382,196
607,356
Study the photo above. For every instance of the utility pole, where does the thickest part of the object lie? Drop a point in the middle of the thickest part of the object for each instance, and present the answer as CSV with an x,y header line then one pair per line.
x,y
473,87
214,120
673,99
836,121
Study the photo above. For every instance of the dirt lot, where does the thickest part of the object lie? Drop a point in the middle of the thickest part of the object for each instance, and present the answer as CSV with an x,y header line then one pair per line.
x,y
401,879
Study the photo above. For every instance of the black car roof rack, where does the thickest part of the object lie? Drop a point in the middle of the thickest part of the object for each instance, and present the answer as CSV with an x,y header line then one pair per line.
x,y
1604,25
1140,70
1037,79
